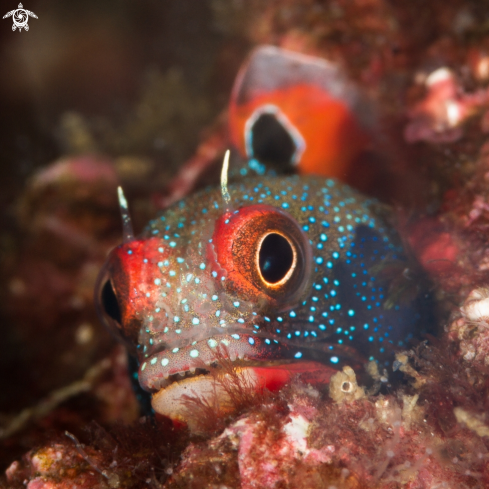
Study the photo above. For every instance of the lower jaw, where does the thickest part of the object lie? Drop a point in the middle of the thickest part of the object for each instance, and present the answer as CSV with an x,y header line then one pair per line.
x,y
215,391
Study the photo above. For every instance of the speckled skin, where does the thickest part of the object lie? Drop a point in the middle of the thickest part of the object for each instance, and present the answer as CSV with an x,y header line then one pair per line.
x,y
178,303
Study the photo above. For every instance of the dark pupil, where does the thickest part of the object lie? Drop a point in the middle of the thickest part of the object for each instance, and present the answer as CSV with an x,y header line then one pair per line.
x,y
271,142
110,303
275,258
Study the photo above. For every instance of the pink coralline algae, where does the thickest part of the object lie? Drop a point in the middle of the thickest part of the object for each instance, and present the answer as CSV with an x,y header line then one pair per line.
x,y
383,442
301,438
440,115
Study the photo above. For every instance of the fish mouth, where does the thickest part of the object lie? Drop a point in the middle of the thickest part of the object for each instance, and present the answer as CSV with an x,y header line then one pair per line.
x,y
169,365
205,370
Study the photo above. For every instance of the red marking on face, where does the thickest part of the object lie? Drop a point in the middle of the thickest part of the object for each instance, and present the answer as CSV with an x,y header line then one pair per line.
x,y
130,270
237,248
276,377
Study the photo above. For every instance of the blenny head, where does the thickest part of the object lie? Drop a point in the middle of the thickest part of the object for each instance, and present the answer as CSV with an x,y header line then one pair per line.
x,y
279,279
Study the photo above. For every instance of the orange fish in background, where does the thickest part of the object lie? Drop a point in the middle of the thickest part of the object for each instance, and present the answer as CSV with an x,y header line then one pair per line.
x,y
292,109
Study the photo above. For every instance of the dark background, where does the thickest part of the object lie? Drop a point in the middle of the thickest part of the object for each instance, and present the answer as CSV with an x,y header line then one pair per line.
x,y
93,58
139,79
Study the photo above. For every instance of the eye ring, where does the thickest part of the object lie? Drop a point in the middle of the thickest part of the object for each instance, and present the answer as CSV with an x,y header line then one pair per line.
x,y
235,248
281,282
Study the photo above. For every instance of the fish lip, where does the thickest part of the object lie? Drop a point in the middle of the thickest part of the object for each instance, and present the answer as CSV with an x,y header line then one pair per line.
x,y
181,376
156,370
193,373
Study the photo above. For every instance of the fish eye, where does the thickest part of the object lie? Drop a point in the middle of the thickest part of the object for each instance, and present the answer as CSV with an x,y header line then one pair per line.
x,y
110,303
111,298
265,254
277,258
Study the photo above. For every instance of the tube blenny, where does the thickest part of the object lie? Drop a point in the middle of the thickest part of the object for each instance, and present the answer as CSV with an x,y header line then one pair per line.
x,y
281,275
